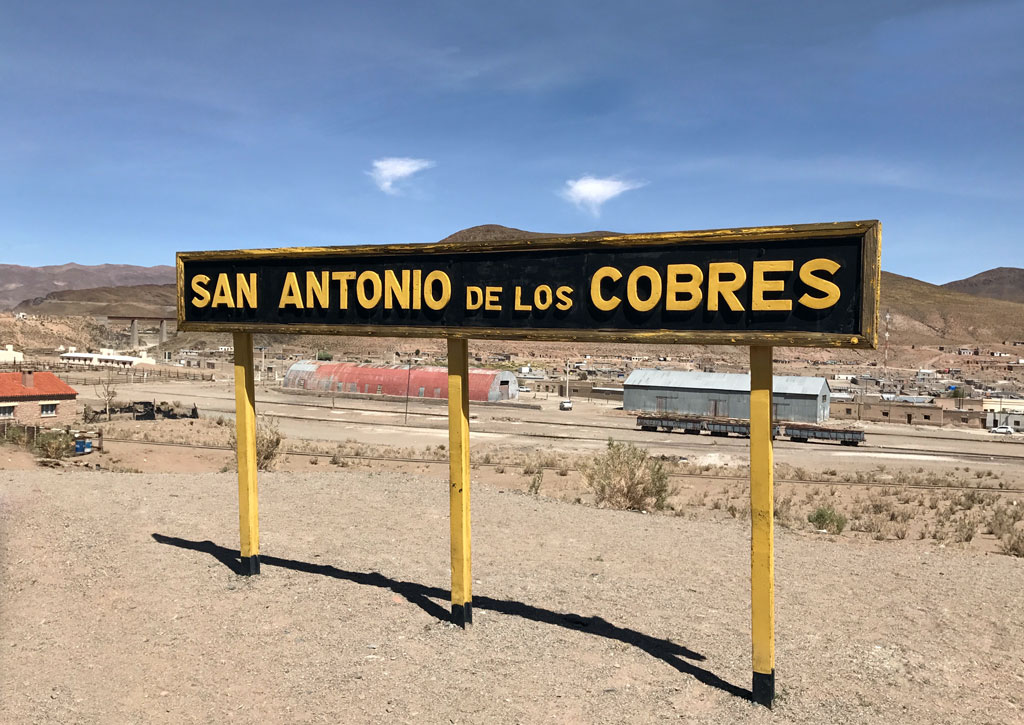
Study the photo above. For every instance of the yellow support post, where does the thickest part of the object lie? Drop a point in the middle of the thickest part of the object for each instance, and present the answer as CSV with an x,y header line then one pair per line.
x,y
458,466
762,546
245,422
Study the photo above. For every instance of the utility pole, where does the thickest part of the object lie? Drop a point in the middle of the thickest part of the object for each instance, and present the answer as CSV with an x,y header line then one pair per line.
x,y
885,359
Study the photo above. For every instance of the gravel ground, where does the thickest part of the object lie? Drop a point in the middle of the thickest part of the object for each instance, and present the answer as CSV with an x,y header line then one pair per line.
x,y
118,604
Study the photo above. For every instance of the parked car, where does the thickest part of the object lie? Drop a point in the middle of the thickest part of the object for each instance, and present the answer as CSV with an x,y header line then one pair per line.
x,y
565,405
1003,429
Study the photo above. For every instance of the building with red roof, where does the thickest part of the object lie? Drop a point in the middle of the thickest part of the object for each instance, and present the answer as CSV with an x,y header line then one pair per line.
x,y
397,380
37,398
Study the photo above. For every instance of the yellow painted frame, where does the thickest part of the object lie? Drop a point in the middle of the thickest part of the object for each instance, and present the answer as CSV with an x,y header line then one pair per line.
x,y
870,281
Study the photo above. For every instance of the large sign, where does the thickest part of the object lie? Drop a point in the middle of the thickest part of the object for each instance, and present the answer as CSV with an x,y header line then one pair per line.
x,y
810,285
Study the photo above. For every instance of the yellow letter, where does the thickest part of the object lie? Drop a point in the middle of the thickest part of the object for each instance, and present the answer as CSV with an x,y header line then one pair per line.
x,y
635,302
542,297
417,289
395,291
436,303
222,292
318,287
673,287
564,300
491,298
595,289
343,278
202,297
246,290
830,289
761,285
374,279
290,295
726,289
519,306
474,298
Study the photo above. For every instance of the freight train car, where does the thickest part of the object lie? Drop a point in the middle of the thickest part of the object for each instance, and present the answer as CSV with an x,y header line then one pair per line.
x,y
797,432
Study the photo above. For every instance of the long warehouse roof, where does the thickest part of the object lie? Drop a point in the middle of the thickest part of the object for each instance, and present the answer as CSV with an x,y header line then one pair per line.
x,y
737,382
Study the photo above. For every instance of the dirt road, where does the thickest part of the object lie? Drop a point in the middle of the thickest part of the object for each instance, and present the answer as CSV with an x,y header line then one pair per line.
x,y
118,604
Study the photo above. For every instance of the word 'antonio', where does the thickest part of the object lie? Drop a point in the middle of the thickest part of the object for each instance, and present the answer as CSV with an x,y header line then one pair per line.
x,y
407,289
764,285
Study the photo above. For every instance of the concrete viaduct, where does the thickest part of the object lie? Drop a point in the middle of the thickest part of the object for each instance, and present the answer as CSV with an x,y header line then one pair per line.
x,y
133,328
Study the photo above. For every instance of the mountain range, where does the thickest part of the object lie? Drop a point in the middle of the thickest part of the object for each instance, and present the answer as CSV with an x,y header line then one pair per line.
x,y
19,284
988,307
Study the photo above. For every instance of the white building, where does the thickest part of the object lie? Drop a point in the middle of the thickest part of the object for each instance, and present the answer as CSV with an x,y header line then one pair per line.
x,y
106,359
10,356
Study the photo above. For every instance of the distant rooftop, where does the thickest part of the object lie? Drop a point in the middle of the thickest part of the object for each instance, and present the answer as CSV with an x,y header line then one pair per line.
x,y
789,384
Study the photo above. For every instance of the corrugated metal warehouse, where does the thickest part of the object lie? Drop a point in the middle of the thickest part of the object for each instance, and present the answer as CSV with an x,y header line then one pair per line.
x,y
422,382
724,395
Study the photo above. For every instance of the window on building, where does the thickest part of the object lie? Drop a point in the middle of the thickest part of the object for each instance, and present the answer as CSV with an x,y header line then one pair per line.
x,y
6,411
885,413
380,389
849,411
963,420
421,392
437,394
48,409
353,388
927,417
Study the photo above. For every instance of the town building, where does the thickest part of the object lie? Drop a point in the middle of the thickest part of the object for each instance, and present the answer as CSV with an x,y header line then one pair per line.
x,y
397,380
724,395
10,356
106,358
37,398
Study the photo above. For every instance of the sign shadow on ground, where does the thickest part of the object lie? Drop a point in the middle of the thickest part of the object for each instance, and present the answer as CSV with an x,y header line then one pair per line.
x,y
671,653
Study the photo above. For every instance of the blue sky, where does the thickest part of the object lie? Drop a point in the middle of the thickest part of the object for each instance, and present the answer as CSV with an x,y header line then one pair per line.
x,y
132,130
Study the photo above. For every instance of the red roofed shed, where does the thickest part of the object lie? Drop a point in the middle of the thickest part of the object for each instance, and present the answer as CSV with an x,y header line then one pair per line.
x,y
422,382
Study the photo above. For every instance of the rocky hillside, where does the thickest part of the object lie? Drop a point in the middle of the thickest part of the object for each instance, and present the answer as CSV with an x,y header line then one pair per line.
x,y
1001,283
19,283
921,313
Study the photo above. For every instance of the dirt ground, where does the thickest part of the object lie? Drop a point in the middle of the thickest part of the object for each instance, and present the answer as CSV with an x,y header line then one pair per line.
x,y
119,604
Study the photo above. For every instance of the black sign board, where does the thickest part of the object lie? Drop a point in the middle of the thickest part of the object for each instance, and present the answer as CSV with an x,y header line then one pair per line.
x,y
813,285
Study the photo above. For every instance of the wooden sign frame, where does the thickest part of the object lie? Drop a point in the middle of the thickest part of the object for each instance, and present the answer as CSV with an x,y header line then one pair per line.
x,y
863,332
761,342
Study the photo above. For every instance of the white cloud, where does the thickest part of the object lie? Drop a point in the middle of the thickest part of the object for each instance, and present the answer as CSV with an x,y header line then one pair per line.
x,y
590,192
392,169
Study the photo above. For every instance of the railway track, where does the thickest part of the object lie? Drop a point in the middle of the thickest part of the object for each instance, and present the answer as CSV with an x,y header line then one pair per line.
x,y
688,476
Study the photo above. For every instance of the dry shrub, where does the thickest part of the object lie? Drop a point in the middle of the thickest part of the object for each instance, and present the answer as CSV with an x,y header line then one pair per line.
x,y
626,477
268,443
54,445
1013,544
16,434
826,518
1004,519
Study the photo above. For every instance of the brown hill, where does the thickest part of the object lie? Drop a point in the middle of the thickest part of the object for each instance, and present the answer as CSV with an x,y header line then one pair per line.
x,y
19,283
496,232
925,313
922,313
1001,283
141,300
